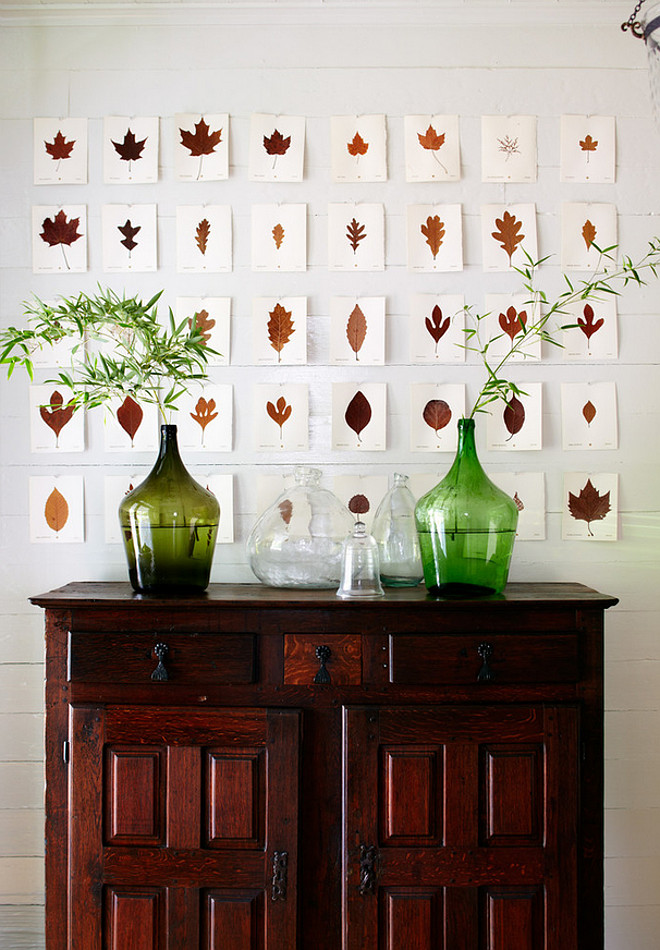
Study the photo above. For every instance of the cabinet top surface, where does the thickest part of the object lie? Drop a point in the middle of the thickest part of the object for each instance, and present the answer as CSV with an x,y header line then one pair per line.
x,y
120,594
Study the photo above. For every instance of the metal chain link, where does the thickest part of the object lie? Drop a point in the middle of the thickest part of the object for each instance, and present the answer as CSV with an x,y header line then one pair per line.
x,y
633,24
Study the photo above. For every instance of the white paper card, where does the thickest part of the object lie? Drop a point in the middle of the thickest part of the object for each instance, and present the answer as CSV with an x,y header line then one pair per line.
x,y
359,416
516,425
586,227
591,507
129,238
588,148
59,239
281,414
359,148
277,147
204,418
213,317
357,331
130,426
435,409
279,331
506,231
528,491
437,322
60,151
432,148
203,239
356,237
54,424
508,148
201,151
435,238
57,509
221,484
589,416
279,237
130,150
115,488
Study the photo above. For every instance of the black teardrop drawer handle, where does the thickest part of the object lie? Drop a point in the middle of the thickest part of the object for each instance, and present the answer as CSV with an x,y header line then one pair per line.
x,y
160,673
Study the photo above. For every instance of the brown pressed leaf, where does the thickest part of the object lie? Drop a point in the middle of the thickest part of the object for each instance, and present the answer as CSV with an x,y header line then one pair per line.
x,y
513,322
279,412
56,510
589,505
589,412
59,148
436,326
129,150
58,230
431,139
589,233
358,413
508,233
202,141
56,414
286,510
356,330
202,235
129,233
129,417
519,504
203,323
278,235
588,325
357,146
280,328
588,145
514,416
359,504
355,233
436,414
434,232
276,144
204,412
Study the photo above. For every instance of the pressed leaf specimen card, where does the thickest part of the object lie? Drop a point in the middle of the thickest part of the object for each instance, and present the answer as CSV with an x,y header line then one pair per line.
x,y
203,239
205,418
528,491
359,148
508,148
130,150
54,426
586,228
222,486
277,147
279,330
59,239
432,148
591,507
435,238
212,315
589,415
281,416
594,335
505,231
60,151
435,409
588,148
130,426
361,494
359,416
356,237
504,324
436,328
56,508
516,424
279,237
357,331
129,238
201,151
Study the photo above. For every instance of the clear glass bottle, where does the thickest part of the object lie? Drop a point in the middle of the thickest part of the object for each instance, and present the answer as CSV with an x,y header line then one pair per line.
x,y
297,541
360,568
169,525
467,527
395,532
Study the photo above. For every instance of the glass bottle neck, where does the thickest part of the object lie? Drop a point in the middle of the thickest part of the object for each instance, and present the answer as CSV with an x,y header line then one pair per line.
x,y
168,452
466,442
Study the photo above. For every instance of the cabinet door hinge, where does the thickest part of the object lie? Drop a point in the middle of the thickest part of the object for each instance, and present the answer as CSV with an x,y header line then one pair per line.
x,y
66,749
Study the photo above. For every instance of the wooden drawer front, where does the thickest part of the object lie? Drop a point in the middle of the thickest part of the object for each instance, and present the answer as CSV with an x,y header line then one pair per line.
x,y
188,658
427,659
304,666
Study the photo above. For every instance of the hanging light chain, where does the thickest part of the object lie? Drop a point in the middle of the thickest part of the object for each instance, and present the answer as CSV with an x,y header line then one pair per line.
x,y
633,24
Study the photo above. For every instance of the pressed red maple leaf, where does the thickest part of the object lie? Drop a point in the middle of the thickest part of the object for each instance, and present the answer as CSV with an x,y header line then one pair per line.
x,y
431,139
589,505
357,146
59,148
129,233
129,150
202,141
59,230
588,145
276,144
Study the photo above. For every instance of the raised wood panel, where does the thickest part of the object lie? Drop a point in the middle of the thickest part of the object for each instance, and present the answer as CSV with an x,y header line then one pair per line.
x,y
135,919
235,797
133,793
513,795
412,796
515,918
413,917
233,920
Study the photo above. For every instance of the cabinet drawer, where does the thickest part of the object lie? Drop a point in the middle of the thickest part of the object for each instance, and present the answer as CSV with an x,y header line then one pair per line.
x,y
428,659
187,658
316,659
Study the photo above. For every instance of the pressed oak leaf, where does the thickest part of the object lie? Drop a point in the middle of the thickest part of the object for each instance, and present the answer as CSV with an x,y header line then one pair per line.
x,y
588,145
357,146
278,235
56,510
59,148
359,504
202,234
358,413
56,414
356,330
514,416
280,327
279,412
434,232
508,233
129,233
355,233
589,233
204,413
513,322
204,323
589,505
436,414
436,326
130,149
129,417
59,230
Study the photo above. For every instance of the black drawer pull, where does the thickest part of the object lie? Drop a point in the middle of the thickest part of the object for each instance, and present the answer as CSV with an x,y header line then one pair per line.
x,y
160,673
485,651
323,654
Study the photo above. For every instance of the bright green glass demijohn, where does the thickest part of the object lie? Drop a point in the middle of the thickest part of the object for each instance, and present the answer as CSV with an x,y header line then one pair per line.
x,y
169,525
466,526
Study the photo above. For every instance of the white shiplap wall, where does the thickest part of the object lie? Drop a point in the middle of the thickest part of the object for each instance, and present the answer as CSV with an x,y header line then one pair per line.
x,y
319,59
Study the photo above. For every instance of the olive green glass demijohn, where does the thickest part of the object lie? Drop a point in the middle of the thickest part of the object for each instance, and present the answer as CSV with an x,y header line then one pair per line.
x,y
169,525
466,527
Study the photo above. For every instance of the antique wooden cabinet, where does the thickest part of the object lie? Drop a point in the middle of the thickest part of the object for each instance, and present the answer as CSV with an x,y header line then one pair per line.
x,y
258,769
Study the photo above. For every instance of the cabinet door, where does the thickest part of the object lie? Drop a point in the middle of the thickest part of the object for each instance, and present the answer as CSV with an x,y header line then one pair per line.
x,y
460,828
182,828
